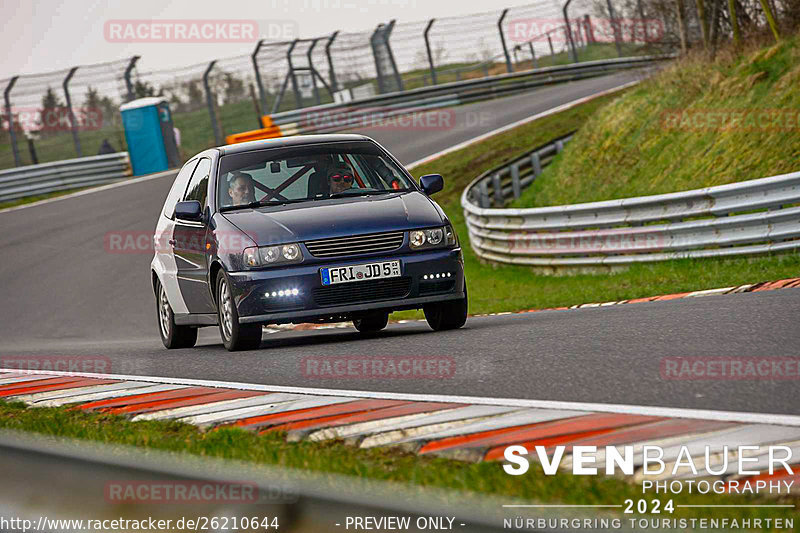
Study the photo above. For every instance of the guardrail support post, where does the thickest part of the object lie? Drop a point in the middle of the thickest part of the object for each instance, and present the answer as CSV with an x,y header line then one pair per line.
x,y
210,102
484,199
509,66
334,85
428,48
313,72
128,82
297,96
498,190
515,185
10,117
569,32
536,163
73,124
262,95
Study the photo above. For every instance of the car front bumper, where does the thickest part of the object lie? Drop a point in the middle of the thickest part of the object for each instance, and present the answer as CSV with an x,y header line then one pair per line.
x,y
252,290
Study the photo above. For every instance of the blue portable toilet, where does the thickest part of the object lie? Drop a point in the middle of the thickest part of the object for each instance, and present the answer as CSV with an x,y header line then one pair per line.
x,y
149,134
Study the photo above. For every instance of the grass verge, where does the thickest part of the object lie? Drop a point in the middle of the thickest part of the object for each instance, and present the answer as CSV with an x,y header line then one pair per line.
x,y
494,288
377,463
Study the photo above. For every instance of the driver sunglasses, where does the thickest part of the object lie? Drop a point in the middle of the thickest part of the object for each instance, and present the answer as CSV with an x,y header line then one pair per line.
x,y
347,178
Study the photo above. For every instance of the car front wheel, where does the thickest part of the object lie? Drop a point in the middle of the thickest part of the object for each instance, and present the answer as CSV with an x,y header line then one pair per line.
x,y
235,336
172,335
447,315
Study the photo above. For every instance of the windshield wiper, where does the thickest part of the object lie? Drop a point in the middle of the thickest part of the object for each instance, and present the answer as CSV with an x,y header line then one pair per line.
x,y
347,193
261,203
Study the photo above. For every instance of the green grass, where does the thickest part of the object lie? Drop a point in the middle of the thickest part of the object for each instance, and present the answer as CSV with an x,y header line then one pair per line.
x,y
494,288
628,149
387,464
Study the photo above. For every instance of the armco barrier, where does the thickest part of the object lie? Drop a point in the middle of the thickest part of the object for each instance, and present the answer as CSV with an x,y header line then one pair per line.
x,y
331,117
750,217
63,175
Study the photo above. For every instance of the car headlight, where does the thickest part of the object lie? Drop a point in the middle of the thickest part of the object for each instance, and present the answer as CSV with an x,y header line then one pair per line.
x,y
443,237
281,254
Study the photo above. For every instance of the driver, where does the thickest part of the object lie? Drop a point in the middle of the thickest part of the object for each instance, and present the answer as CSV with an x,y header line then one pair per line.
x,y
340,178
241,188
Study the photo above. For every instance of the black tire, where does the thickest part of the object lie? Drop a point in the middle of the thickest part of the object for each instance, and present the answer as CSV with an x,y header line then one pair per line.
x,y
235,336
371,323
172,335
447,315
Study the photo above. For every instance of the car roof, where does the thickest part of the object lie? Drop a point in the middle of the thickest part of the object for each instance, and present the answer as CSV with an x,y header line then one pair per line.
x,y
291,141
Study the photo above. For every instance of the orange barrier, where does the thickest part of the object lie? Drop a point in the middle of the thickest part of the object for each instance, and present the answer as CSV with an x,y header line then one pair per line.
x,y
269,131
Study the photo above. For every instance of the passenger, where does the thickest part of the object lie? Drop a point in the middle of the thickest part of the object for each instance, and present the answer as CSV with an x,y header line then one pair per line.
x,y
241,188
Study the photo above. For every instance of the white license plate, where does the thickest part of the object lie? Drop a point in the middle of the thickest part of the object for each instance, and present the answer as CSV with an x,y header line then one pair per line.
x,y
347,274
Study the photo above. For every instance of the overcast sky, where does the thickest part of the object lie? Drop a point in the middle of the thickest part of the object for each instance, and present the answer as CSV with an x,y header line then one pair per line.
x,y
45,35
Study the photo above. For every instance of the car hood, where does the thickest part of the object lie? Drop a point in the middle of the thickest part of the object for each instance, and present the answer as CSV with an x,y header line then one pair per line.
x,y
336,218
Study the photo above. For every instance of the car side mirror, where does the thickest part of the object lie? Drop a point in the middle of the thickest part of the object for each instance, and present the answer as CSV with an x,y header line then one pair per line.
x,y
190,210
431,183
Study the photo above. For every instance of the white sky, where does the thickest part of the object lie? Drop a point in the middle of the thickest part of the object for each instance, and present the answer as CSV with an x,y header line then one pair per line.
x,y
46,35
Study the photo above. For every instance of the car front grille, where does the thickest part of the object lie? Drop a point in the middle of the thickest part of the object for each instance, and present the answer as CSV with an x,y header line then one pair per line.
x,y
356,245
362,291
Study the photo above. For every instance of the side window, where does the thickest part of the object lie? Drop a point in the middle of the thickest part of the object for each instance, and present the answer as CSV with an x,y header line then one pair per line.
x,y
178,188
198,186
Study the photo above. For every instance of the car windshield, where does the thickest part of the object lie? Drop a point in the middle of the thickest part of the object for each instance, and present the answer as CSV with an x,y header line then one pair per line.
x,y
311,173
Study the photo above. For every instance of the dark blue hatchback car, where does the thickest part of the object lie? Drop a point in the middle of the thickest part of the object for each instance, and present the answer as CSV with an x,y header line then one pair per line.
x,y
316,228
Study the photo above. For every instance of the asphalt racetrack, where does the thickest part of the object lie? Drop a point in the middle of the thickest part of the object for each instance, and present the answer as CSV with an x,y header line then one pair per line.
x,y
65,294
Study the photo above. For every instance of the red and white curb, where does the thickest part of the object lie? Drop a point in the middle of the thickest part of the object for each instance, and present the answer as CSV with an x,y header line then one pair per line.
x,y
458,427
787,283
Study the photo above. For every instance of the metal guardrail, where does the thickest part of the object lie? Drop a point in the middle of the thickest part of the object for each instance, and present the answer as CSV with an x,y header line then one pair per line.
x,y
330,117
750,217
63,479
63,175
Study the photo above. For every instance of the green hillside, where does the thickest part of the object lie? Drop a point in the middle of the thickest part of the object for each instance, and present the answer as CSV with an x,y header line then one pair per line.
x,y
699,123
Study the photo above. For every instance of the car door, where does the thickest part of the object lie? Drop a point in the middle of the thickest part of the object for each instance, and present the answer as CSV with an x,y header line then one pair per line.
x,y
164,261
190,246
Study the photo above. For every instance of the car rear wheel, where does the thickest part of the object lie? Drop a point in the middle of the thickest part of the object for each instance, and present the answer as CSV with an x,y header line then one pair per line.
x,y
447,315
371,323
235,336
172,335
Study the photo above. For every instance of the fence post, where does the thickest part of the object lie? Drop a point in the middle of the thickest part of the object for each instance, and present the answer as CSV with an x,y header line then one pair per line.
x,y
533,55
509,66
569,32
397,78
587,21
7,98
262,95
210,102
550,42
313,72
615,27
334,85
643,22
298,99
428,48
72,122
373,41
128,82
